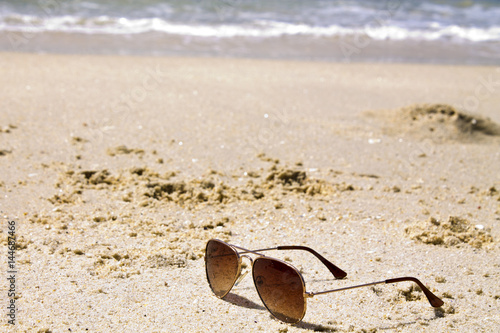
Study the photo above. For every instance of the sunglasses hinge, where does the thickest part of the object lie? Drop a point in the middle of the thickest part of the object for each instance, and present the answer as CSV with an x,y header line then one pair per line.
x,y
308,294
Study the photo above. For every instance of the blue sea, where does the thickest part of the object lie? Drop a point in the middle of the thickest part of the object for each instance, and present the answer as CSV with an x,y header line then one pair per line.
x,y
440,31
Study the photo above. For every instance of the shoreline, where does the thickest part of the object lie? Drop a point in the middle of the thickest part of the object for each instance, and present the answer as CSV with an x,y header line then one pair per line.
x,y
328,50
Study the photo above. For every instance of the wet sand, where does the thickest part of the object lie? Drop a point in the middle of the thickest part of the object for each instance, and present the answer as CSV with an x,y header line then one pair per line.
x,y
118,170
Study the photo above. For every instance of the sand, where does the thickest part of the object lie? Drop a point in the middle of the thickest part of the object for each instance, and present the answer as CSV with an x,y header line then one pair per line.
x,y
118,170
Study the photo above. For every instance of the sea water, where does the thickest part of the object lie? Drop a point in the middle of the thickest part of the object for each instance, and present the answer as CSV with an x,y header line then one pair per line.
x,y
439,31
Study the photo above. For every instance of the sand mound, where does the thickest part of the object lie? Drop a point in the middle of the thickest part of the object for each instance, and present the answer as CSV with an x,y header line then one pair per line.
x,y
439,122
145,186
452,233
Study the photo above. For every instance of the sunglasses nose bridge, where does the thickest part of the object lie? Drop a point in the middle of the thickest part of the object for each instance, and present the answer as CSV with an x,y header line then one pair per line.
x,y
242,276
248,257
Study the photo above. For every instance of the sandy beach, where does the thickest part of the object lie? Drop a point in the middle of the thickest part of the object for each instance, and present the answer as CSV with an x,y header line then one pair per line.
x,y
118,170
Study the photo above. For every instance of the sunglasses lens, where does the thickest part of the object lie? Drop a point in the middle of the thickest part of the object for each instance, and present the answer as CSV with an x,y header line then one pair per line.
x,y
222,265
280,288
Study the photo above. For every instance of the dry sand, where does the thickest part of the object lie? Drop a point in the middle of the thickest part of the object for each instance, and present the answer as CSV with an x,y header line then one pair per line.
x,y
117,171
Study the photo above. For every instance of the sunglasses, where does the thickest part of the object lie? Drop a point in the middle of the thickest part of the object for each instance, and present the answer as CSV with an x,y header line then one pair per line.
x,y
280,286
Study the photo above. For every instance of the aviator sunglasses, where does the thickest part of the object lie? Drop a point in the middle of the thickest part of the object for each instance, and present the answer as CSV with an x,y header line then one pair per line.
x,y
280,286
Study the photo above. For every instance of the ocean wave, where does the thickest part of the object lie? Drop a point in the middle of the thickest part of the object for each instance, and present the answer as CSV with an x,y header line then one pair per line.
x,y
256,29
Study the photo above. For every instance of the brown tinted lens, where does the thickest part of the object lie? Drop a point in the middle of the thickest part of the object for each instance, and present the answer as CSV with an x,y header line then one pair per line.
x,y
280,288
222,265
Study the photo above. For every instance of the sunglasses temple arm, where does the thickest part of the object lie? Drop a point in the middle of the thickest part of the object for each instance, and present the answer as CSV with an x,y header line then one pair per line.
x,y
433,299
337,272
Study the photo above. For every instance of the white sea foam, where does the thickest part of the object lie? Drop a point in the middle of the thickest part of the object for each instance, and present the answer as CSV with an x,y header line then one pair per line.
x,y
256,29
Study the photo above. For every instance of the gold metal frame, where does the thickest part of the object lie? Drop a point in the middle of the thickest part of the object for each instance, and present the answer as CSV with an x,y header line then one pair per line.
x,y
338,273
